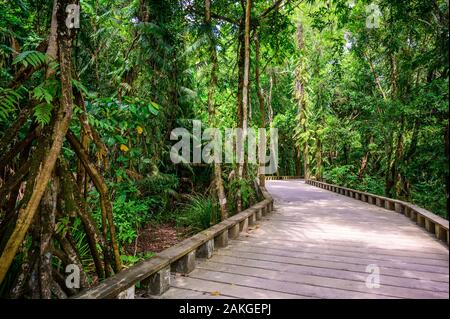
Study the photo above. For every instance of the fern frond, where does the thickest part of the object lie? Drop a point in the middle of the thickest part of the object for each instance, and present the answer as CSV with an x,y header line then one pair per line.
x,y
43,113
33,58
9,99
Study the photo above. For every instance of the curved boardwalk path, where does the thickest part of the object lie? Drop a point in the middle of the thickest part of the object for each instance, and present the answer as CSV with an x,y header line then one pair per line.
x,y
318,244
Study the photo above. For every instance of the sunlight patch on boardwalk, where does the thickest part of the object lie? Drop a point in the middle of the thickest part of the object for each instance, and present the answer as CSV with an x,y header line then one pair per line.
x,y
318,244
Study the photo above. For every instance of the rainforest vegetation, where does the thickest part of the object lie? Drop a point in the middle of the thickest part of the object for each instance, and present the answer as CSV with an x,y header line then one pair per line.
x,y
358,91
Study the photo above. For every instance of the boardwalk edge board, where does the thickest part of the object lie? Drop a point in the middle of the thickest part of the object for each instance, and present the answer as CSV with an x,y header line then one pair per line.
x,y
434,224
180,258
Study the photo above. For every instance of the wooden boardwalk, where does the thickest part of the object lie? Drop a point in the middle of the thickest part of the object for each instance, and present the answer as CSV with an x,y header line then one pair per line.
x,y
318,244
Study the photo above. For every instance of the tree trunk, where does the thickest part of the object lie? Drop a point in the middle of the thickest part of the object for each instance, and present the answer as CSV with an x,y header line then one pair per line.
x,y
269,102
58,131
47,215
211,110
447,177
300,96
364,161
298,162
262,110
318,159
245,99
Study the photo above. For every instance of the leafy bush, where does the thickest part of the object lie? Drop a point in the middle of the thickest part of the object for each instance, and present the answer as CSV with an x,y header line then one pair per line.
x,y
428,194
342,175
200,213
372,184
130,210
160,189
346,176
248,193
130,260
129,216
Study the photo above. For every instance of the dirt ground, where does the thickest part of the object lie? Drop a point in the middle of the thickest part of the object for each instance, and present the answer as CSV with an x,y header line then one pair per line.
x,y
156,238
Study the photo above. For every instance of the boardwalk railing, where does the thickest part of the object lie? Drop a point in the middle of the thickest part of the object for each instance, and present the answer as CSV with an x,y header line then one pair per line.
x,y
273,178
154,274
431,222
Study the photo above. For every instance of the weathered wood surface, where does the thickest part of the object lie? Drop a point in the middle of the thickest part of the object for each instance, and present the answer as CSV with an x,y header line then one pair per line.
x,y
433,223
318,244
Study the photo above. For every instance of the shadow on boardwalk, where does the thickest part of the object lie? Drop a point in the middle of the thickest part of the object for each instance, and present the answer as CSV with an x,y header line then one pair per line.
x,y
318,244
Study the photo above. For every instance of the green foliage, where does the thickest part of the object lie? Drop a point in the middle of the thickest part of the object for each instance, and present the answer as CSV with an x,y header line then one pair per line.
x,y
130,260
129,216
33,58
429,195
376,100
9,100
42,113
248,193
341,175
200,213
160,190
131,211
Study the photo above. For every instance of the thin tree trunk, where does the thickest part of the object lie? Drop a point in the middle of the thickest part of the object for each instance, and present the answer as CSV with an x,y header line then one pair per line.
x,y
245,98
211,110
300,96
47,215
376,78
298,162
269,102
364,161
319,159
102,188
447,177
262,110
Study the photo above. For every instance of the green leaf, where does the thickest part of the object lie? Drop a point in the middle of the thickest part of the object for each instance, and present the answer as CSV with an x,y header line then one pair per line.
x,y
153,108
35,58
8,101
42,113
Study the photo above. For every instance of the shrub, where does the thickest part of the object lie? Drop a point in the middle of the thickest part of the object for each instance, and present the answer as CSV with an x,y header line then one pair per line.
x,y
200,213
341,175
160,190
129,216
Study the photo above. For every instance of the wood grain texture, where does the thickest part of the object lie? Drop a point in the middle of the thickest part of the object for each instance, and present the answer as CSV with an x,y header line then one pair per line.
x,y
318,244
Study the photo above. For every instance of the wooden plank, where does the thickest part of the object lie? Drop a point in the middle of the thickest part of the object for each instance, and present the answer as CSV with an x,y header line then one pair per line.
x,y
348,285
281,286
230,290
418,237
183,293
323,250
391,202
398,263
317,236
339,265
319,244
406,227
332,273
